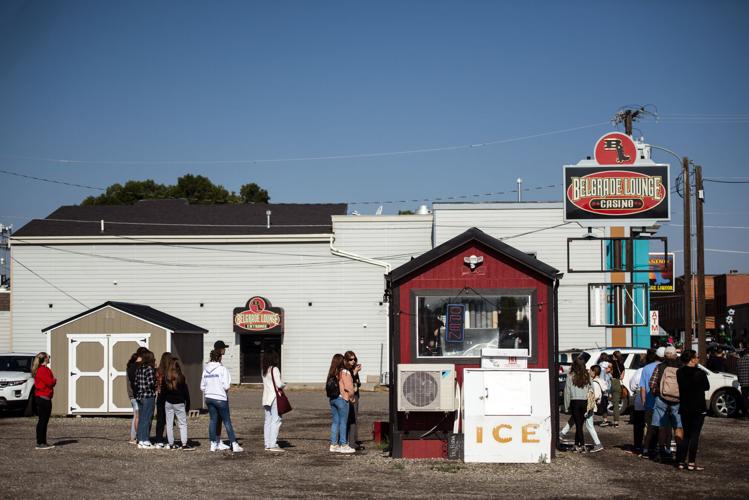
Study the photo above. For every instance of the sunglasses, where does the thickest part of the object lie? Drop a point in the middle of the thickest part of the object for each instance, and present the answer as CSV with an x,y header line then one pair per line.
x,y
351,359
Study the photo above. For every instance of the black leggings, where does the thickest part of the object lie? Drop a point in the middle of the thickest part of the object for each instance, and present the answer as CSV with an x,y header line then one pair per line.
x,y
692,423
638,427
44,410
160,419
578,408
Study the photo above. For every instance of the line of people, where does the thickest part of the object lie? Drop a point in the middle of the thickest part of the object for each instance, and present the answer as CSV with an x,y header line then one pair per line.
x,y
669,399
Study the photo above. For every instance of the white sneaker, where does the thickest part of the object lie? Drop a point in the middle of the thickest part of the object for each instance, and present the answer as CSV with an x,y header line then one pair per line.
x,y
334,448
159,445
214,446
236,448
346,449
276,449
145,445
222,446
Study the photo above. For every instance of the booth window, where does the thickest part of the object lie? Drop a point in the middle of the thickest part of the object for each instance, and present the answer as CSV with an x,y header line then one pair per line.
x,y
459,327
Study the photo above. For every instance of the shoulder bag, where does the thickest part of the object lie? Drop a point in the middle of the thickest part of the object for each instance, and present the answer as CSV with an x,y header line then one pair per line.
x,y
282,402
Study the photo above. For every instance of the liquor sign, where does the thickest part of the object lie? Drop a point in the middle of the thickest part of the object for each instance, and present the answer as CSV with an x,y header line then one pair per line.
x,y
616,196
258,316
661,275
455,328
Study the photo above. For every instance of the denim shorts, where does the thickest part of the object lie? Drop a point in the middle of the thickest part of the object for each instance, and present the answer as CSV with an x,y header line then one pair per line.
x,y
665,414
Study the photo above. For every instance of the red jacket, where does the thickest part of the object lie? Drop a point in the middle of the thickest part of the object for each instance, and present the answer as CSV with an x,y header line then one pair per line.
x,y
44,382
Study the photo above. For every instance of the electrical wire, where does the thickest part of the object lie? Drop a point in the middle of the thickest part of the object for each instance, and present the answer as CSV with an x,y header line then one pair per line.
x,y
724,182
315,158
44,179
48,282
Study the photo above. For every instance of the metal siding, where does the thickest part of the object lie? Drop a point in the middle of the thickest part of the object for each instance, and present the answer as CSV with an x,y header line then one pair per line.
x,y
345,295
5,331
506,222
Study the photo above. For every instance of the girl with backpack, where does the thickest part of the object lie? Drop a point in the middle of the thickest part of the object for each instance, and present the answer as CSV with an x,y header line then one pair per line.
x,y
692,386
271,381
176,403
576,391
44,389
145,394
339,378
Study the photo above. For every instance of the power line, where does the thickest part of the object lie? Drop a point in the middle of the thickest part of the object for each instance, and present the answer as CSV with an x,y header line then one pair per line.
x,y
315,158
724,182
43,179
48,282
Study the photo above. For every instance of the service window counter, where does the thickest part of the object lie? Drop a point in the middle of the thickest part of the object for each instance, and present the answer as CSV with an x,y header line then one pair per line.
x,y
470,294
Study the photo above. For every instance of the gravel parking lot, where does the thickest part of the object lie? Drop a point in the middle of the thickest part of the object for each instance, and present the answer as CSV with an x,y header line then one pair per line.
x,y
93,460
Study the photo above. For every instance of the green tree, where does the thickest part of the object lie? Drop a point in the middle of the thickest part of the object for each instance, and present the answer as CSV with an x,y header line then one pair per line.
x,y
193,188
252,193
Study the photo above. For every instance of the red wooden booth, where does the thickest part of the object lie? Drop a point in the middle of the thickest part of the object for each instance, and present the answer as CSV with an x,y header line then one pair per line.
x,y
506,299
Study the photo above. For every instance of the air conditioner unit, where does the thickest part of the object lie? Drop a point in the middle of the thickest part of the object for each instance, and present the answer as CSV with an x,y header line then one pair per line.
x,y
426,387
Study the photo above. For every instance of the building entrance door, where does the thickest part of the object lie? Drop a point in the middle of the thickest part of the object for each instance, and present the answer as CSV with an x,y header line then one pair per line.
x,y
252,348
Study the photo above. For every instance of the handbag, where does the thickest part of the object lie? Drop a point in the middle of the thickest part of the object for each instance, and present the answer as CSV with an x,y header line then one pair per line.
x,y
282,402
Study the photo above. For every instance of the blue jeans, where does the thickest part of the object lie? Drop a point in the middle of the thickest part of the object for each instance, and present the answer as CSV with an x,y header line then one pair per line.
x,y
220,408
272,425
339,408
145,414
666,415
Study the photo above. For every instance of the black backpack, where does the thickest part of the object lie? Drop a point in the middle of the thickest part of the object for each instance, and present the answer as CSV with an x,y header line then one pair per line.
x,y
331,388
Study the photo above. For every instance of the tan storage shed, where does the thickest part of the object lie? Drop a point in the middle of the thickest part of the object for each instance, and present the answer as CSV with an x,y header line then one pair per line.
x,y
89,353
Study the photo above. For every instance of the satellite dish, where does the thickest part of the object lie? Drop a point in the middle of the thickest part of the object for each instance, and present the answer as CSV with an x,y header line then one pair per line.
x,y
379,210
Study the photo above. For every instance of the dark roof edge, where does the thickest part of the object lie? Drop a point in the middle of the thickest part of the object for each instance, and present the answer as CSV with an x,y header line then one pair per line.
x,y
474,234
122,307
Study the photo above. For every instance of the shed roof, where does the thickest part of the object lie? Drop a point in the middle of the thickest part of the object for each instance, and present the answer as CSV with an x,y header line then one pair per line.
x,y
178,217
473,234
141,311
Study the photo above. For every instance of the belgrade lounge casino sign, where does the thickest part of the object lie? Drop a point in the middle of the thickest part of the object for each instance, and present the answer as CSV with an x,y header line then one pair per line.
x,y
617,188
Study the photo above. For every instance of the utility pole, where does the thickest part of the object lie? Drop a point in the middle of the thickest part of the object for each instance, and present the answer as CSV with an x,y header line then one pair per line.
x,y
687,254
699,201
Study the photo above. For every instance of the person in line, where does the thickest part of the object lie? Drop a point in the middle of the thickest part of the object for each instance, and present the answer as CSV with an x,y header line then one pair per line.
x,y
604,375
576,391
221,347
130,369
717,361
742,370
271,380
214,383
176,403
597,385
44,389
166,358
637,418
145,393
692,386
339,404
352,364
666,407
653,358
617,376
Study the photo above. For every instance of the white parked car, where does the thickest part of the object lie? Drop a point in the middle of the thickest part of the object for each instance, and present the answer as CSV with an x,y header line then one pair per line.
x,y
16,383
722,398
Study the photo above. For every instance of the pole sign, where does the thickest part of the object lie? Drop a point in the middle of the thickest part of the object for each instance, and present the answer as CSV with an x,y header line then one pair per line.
x,y
610,196
661,275
615,148
655,327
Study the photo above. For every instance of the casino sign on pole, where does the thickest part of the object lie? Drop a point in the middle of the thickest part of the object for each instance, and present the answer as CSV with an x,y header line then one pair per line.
x,y
618,188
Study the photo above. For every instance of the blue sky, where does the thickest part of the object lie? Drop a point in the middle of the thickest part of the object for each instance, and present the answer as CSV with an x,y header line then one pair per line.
x,y
157,89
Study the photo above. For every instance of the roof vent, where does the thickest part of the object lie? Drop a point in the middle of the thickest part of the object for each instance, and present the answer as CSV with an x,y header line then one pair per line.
x,y
422,210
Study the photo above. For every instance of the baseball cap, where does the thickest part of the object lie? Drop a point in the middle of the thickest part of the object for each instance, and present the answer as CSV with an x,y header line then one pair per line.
x,y
670,351
661,352
220,345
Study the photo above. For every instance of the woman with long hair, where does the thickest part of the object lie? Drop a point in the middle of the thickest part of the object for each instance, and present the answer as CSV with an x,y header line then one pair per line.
x,y
271,380
214,383
131,367
164,362
339,403
352,364
176,403
145,393
692,386
576,391
44,384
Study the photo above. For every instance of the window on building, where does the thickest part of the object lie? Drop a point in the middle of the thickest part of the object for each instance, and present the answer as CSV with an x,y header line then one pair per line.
x,y
459,327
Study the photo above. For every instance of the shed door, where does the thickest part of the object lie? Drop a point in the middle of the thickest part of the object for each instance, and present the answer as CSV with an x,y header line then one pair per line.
x,y
88,385
121,347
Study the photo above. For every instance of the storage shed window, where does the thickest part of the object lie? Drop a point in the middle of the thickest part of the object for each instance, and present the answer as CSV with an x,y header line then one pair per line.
x,y
459,327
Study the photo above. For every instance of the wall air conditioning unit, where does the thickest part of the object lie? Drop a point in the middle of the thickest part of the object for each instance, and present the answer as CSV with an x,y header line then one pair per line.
x,y
426,387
